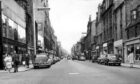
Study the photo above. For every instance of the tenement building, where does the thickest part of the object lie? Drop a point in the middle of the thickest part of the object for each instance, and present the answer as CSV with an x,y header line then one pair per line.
x,y
132,42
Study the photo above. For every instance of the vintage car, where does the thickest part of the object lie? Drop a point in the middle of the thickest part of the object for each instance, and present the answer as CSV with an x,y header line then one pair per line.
x,y
113,59
41,60
102,59
82,57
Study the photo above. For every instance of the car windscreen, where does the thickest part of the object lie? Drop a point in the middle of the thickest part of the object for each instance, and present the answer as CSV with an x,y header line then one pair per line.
x,y
41,55
111,56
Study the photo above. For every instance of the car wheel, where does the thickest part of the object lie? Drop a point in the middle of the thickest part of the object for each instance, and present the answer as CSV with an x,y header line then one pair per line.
x,y
119,64
48,66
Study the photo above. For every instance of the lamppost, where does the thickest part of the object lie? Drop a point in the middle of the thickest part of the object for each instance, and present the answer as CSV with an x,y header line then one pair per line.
x,y
34,27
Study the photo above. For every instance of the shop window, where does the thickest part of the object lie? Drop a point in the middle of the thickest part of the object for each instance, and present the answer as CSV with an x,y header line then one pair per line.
x,y
138,30
4,20
137,52
138,12
21,34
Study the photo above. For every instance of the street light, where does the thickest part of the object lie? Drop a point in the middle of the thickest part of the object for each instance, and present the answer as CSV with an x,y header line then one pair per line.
x,y
34,29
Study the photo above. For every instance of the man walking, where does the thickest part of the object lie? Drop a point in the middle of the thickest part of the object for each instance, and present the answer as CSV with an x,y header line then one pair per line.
x,y
16,61
27,60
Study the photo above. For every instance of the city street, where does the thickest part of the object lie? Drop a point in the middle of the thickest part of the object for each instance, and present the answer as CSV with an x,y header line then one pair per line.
x,y
74,72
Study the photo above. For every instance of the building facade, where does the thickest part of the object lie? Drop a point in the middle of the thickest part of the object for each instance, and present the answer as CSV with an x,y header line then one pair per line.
x,y
119,25
13,28
107,17
132,41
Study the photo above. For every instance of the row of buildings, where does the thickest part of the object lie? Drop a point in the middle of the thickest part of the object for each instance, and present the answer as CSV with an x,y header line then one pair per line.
x,y
116,30
25,27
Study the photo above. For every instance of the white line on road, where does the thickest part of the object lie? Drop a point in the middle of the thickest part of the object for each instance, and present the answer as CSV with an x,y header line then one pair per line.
x,y
74,73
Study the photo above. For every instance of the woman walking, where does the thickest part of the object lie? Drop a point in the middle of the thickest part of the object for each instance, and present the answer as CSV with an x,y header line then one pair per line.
x,y
131,59
8,62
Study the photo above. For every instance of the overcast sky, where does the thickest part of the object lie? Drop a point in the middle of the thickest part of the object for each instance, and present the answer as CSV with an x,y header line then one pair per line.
x,y
69,19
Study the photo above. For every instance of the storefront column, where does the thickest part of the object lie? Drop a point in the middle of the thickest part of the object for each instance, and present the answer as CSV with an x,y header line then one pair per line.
x,y
1,43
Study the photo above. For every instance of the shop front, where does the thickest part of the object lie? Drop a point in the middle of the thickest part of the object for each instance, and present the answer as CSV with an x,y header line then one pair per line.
x,y
105,49
135,46
118,48
110,46
13,28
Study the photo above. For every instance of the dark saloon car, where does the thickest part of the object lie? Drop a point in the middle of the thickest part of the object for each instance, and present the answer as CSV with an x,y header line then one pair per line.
x,y
94,58
102,59
113,59
41,60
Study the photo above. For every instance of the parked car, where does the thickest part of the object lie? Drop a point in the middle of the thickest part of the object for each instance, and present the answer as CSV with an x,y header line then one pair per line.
x,y
82,57
74,57
56,59
113,59
102,59
41,60
94,58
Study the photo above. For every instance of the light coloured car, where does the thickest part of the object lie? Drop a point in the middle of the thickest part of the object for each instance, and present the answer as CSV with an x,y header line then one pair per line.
x,y
42,60
82,58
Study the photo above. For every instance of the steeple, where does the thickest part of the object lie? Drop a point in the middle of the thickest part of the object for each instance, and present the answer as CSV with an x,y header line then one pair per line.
x,y
89,18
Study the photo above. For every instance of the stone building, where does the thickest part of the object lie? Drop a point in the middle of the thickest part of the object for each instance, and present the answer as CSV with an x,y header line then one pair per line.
x,y
119,25
99,31
13,28
132,41
107,17
87,40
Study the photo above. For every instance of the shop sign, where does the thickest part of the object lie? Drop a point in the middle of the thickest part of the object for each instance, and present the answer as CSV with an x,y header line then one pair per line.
x,y
97,47
118,43
105,45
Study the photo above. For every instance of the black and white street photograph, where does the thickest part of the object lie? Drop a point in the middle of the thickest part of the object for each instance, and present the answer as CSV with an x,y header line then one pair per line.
x,y
69,41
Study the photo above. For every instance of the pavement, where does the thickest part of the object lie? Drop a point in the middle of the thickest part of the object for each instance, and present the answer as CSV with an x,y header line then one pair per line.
x,y
128,65
21,68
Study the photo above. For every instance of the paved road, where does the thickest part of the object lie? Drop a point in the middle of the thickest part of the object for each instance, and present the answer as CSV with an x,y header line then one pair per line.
x,y
74,72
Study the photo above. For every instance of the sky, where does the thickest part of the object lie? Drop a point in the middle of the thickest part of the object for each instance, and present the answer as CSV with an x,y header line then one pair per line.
x,y
69,19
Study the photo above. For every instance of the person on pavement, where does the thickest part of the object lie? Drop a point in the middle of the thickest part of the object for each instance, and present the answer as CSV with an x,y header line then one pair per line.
x,y
8,62
131,59
16,61
27,60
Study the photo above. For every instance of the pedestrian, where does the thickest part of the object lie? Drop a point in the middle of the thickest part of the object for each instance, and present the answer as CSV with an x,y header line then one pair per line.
x,y
15,61
24,60
131,58
27,60
8,62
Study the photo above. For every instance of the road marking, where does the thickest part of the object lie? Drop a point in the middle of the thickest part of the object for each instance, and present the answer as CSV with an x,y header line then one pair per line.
x,y
74,73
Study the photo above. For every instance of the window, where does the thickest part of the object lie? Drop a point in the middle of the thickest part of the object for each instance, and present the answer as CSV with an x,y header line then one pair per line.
x,y
133,15
131,32
137,52
138,11
138,30
11,29
21,34
4,20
